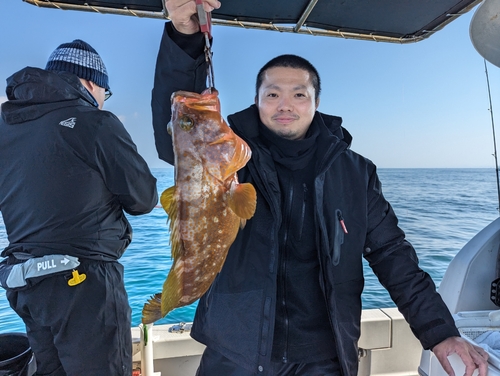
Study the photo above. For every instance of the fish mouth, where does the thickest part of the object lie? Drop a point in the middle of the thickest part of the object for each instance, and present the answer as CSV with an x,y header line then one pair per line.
x,y
203,101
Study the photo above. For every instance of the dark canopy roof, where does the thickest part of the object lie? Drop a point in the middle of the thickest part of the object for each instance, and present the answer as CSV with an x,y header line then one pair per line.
x,y
382,20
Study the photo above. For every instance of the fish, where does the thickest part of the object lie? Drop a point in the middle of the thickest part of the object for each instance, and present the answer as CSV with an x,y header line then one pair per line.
x,y
207,206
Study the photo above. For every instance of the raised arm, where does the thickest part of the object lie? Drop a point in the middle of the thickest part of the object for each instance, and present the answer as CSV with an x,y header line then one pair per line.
x,y
180,65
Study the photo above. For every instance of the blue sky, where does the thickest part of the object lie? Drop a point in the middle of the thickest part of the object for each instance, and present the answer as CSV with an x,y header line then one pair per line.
x,y
423,104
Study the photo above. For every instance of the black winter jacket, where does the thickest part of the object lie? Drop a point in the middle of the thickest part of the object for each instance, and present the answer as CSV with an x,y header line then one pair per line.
x,y
67,170
236,316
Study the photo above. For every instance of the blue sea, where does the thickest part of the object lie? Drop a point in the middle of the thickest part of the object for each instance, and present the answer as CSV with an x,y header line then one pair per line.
x,y
440,210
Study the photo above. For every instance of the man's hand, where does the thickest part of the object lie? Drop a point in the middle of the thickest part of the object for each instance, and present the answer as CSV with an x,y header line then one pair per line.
x,y
183,14
473,356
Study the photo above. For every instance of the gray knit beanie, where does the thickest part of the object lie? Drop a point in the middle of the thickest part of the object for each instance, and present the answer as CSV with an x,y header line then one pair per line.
x,y
81,59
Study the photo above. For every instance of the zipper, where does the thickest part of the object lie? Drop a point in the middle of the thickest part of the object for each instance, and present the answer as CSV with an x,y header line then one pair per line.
x,y
283,271
303,212
283,305
341,220
277,213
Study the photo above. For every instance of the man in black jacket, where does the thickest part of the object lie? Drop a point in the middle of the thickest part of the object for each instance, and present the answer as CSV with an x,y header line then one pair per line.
x,y
68,171
288,298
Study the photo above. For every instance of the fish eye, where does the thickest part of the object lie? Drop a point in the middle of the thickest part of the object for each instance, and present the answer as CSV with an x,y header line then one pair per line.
x,y
186,123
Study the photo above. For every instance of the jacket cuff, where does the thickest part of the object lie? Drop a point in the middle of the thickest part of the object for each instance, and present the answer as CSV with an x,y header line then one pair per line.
x,y
434,336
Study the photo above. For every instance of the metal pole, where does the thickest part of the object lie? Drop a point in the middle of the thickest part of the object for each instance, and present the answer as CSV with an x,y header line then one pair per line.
x,y
494,139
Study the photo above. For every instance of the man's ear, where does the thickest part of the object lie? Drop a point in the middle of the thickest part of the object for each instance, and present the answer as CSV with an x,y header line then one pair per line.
x,y
89,85
85,83
92,85
256,100
317,103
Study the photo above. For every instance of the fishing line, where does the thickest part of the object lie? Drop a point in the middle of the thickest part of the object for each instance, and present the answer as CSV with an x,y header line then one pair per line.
x,y
493,129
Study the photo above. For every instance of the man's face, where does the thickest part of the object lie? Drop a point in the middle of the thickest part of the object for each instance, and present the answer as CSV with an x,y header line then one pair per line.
x,y
286,102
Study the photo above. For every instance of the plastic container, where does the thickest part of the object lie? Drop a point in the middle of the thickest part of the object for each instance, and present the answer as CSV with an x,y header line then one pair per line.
x,y
16,357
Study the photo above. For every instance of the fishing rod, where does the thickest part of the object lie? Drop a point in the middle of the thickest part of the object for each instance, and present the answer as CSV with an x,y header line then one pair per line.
x,y
495,284
493,129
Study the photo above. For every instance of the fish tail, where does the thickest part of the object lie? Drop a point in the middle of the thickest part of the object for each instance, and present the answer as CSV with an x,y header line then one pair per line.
x,y
151,311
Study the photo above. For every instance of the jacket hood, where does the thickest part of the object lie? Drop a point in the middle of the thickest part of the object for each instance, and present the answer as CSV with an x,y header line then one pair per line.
x,y
33,92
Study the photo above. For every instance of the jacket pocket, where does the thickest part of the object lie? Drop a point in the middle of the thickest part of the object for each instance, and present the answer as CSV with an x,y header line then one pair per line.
x,y
338,239
266,325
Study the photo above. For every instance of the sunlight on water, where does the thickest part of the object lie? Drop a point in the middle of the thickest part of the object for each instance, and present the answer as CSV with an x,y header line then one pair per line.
x,y
439,209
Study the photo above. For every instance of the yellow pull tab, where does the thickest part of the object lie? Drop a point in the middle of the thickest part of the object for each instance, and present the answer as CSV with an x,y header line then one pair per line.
x,y
77,278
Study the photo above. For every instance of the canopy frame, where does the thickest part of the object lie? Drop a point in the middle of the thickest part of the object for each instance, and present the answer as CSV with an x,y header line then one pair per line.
x,y
299,28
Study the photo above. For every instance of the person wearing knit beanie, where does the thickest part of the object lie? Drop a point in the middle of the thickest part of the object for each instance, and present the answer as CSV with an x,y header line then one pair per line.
x,y
70,173
79,58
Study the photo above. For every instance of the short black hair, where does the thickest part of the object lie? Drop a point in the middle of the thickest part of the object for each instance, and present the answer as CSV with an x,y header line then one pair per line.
x,y
290,61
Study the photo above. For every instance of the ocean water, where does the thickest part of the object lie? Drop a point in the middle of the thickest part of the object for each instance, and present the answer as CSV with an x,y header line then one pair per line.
x,y
439,210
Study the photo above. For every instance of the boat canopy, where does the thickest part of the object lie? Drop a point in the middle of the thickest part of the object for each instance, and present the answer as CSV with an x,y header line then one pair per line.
x,y
399,21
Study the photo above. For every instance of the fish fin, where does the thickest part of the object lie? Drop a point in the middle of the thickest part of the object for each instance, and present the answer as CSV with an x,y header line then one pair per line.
x,y
243,200
168,203
167,200
243,223
172,292
227,137
159,305
151,311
